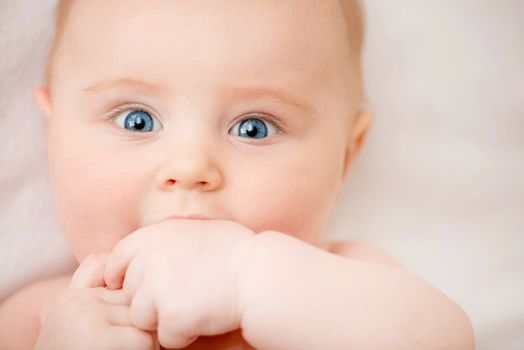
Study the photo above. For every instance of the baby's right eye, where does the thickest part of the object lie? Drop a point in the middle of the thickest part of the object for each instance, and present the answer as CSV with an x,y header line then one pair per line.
x,y
138,121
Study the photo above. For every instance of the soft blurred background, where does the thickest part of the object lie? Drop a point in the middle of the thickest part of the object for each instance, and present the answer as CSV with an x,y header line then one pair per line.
x,y
440,183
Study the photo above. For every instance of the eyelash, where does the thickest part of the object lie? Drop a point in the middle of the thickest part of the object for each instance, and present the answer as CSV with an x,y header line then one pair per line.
x,y
257,115
262,116
127,108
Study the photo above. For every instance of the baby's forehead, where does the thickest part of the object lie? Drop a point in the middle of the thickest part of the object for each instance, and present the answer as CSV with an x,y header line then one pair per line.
x,y
273,40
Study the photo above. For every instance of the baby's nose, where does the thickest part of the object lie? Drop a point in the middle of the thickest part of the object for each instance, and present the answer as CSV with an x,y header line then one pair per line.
x,y
188,170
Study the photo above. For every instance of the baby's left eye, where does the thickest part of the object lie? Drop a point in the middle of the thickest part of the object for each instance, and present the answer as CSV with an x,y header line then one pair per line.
x,y
138,121
253,128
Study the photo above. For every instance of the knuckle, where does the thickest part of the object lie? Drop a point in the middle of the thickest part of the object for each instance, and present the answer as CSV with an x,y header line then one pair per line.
x,y
117,253
94,259
99,260
140,321
89,259
178,328
175,340
172,315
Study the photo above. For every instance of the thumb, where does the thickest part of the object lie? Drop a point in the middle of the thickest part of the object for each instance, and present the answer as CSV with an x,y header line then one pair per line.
x,y
90,273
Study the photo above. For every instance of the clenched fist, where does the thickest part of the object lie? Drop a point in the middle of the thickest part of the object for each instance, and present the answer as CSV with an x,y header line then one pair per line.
x,y
183,277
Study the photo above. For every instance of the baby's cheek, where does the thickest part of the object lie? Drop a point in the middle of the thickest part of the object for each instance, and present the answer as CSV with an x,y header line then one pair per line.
x,y
96,202
287,202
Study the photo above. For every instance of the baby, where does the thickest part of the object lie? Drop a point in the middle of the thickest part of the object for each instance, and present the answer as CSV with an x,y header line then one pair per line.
x,y
197,149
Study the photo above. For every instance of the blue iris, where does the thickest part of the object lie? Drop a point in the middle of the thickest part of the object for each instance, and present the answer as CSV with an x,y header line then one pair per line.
x,y
253,128
139,121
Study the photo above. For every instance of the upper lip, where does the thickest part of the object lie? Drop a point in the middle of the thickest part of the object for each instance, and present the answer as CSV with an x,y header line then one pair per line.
x,y
188,217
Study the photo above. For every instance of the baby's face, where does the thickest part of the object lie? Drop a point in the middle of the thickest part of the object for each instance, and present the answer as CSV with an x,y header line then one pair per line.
x,y
232,110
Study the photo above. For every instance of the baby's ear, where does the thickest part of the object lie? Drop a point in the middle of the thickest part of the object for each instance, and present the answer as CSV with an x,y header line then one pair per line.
x,y
42,98
356,137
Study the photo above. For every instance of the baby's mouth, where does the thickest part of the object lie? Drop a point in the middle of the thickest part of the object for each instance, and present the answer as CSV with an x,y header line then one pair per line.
x,y
187,217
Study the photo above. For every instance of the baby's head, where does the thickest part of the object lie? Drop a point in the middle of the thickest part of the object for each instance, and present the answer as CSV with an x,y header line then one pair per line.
x,y
241,110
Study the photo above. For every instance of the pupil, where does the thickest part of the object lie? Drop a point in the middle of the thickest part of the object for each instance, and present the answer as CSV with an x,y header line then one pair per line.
x,y
139,123
251,130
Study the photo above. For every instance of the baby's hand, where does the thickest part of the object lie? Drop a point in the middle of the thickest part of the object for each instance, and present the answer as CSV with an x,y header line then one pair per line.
x,y
89,316
183,277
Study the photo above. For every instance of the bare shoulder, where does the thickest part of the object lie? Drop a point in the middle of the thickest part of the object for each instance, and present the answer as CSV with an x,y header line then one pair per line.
x,y
20,313
361,251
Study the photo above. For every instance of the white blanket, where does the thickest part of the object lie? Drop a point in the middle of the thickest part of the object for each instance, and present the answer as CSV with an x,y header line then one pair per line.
x,y
439,184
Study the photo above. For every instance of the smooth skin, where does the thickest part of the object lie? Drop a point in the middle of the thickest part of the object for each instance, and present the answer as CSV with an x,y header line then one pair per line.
x,y
256,267
94,312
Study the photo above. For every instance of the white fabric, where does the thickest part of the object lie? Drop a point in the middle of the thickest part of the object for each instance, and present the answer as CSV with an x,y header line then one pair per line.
x,y
30,242
439,183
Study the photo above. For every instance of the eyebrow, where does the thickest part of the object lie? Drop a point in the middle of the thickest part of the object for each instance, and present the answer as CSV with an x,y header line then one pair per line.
x,y
102,86
270,92
246,92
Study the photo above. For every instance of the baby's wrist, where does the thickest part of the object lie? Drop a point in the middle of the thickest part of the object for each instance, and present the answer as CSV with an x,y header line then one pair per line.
x,y
251,279
266,269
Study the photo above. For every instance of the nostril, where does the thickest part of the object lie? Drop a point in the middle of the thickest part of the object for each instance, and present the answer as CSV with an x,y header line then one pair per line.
x,y
172,182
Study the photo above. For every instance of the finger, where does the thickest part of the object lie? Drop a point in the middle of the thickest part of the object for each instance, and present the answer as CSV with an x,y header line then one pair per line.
x,y
90,273
120,257
174,340
115,297
143,311
173,332
118,315
133,276
135,339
